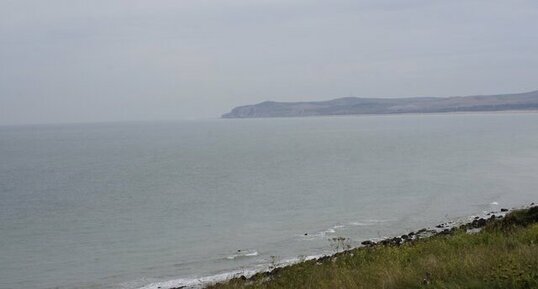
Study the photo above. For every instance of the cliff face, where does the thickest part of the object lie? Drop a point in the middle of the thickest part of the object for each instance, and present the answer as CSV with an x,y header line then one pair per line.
x,y
355,105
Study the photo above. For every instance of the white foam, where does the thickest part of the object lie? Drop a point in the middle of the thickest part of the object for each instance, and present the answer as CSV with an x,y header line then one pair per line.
x,y
318,235
375,221
198,283
289,261
369,222
193,283
339,227
377,239
358,224
494,203
241,254
295,260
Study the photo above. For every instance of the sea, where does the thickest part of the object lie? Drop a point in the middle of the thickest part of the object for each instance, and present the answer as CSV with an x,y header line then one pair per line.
x,y
182,203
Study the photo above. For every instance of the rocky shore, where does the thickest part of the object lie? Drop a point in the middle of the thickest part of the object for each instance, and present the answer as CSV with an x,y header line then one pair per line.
x,y
472,225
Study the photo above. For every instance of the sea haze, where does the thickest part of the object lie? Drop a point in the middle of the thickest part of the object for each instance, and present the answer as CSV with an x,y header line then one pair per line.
x,y
129,205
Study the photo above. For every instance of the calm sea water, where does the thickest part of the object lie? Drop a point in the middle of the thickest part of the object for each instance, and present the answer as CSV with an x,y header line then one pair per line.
x,y
132,204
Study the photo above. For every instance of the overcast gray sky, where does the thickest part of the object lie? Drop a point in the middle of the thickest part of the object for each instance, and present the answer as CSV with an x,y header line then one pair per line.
x,y
106,60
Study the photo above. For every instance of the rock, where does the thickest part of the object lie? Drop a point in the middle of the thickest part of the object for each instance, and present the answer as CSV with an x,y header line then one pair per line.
x,y
243,278
479,223
368,243
324,258
440,226
396,241
306,234
404,237
504,210
445,232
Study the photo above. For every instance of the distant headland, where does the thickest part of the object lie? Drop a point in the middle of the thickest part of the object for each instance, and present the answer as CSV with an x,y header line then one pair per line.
x,y
357,106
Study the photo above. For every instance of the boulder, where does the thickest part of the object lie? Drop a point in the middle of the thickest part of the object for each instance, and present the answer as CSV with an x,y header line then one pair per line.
x,y
368,243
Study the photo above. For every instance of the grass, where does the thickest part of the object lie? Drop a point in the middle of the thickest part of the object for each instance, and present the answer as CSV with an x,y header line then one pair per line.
x,y
503,255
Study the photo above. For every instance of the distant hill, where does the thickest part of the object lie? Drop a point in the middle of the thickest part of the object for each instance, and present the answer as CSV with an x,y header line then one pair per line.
x,y
356,105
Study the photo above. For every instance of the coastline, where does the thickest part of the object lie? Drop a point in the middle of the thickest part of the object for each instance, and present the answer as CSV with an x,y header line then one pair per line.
x,y
470,112
471,224
357,105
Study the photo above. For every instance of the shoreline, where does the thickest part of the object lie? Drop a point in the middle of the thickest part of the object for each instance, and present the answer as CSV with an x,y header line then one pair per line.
x,y
472,223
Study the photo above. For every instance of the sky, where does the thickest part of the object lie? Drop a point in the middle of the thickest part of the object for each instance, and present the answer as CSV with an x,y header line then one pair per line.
x,y
64,61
